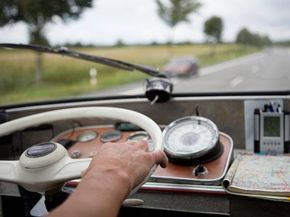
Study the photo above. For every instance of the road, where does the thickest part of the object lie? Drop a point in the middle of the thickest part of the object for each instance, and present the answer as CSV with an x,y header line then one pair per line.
x,y
265,71
269,70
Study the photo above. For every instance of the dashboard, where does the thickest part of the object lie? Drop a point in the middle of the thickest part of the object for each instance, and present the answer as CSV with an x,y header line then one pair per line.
x,y
204,169
182,188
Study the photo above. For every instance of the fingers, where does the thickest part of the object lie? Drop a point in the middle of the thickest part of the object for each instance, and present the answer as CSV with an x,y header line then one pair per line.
x,y
142,144
160,157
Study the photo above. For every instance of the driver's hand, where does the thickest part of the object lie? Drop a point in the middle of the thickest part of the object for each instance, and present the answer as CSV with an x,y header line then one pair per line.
x,y
130,160
114,171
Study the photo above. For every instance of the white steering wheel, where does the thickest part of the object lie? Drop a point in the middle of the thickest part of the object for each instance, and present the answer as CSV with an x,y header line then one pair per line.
x,y
45,166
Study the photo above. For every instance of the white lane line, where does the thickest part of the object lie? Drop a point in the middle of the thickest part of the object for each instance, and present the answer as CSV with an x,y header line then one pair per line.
x,y
236,81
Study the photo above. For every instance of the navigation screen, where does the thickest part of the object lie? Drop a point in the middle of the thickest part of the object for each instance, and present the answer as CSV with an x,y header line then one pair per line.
x,y
272,126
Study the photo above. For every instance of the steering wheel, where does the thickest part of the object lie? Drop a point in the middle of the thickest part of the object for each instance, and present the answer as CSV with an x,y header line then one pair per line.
x,y
46,166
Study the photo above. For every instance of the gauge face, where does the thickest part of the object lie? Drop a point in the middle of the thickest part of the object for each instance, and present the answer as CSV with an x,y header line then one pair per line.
x,y
111,136
87,136
190,137
140,135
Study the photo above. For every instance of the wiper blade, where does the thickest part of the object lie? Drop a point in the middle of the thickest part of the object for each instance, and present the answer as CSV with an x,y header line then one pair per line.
x,y
92,58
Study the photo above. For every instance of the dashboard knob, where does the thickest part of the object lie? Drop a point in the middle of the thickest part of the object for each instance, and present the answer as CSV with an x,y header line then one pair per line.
x,y
159,89
200,170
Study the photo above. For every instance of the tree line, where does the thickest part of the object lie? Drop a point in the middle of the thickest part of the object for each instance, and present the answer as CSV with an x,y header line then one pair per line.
x,y
247,38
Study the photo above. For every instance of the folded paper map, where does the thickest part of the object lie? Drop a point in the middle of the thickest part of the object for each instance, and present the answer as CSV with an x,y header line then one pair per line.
x,y
259,175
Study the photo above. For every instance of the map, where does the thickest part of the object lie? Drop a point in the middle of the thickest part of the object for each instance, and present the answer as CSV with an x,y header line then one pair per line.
x,y
259,174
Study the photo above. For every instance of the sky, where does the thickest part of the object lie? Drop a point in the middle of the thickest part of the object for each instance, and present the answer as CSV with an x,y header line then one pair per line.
x,y
136,21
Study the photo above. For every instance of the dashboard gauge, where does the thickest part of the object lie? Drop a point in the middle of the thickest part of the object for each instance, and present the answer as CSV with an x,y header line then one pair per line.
x,y
87,136
111,136
140,135
192,140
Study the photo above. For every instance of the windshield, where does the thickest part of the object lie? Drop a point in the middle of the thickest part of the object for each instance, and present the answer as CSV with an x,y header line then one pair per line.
x,y
202,46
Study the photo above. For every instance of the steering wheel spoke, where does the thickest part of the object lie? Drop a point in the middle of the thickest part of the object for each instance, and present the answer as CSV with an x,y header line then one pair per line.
x,y
8,170
72,169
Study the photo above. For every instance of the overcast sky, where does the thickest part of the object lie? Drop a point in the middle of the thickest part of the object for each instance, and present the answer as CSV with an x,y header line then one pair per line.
x,y
136,21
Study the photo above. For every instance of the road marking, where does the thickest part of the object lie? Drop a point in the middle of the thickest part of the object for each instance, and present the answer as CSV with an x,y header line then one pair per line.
x,y
236,81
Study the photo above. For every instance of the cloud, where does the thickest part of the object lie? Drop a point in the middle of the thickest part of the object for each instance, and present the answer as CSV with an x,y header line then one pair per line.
x,y
136,22
269,17
16,33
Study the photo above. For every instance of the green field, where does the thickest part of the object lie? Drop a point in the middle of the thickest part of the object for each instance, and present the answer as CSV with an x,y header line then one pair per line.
x,y
66,77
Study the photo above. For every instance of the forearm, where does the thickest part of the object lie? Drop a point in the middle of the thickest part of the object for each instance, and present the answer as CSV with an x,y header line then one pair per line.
x,y
115,170
98,194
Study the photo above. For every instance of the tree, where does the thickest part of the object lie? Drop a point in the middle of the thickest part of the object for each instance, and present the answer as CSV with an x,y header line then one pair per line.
x,y
176,11
213,28
36,14
246,38
119,43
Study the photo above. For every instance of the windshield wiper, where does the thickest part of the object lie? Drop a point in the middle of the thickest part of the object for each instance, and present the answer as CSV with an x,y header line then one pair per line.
x,y
97,59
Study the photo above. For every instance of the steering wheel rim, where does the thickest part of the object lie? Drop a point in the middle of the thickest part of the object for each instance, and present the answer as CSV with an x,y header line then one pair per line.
x,y
18,172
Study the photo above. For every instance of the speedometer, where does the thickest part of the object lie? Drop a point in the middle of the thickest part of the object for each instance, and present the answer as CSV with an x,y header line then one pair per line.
x,y
192,139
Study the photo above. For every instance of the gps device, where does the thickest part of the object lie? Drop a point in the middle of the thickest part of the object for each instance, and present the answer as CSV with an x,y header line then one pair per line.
x,y
271,134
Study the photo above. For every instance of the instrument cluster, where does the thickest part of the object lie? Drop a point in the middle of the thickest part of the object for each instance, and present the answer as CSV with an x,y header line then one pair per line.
x,y
83,142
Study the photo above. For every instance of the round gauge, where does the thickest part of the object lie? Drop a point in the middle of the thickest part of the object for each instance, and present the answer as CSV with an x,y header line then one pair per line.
x,y
87,136
142,135
192,140
111,136
138,136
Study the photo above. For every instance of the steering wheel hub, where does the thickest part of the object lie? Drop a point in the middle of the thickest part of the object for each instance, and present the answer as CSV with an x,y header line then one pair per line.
x,y
42,155
40,150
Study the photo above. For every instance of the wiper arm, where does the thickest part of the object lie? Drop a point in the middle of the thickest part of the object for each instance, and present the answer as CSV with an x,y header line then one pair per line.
x,y
97,59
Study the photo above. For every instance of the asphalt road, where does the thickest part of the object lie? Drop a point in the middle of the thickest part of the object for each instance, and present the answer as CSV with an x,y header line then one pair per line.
x,y
265,71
